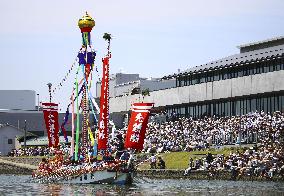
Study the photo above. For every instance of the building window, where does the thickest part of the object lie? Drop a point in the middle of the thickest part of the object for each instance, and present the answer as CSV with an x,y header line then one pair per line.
x,y
10,141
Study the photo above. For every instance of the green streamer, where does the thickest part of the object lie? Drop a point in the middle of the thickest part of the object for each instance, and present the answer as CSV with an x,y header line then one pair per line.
x,y
78,122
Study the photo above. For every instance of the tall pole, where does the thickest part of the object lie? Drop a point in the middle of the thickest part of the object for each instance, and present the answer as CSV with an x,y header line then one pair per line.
x,y
37,102
86,24
25,136
49,90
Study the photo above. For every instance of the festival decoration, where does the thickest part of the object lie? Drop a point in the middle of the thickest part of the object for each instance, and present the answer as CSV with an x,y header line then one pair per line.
x,y
84,144
50,112
104,100
137,125
86,58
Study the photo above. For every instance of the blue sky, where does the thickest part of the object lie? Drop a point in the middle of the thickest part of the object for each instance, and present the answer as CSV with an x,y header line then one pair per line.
x,y
39,39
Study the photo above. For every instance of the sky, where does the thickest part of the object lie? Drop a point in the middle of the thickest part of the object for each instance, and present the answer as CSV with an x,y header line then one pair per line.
x,y
39,39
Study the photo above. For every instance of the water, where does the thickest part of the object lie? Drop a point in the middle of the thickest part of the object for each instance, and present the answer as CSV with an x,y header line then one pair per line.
x,y
22,185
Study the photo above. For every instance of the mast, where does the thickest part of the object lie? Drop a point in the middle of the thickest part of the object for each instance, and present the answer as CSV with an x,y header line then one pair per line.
x,y
86,24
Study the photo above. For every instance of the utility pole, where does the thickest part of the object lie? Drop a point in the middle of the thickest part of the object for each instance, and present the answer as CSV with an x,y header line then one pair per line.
x,y
49,90
25,136
37,102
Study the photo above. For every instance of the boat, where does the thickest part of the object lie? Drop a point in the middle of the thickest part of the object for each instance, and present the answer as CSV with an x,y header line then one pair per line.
x,y
80,167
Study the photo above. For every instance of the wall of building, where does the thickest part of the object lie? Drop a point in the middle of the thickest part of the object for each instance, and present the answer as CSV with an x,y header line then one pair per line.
x,y
35,121
247,85
154,85
7,133
17,99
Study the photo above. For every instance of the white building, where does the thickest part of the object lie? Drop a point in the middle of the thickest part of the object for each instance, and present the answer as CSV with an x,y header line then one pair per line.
x,y
8,138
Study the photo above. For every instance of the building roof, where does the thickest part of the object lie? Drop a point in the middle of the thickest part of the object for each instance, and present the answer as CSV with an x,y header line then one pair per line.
x,y
21,130
261,42
241,58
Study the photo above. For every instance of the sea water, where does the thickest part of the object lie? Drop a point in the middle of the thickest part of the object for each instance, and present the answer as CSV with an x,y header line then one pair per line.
x,y
23,185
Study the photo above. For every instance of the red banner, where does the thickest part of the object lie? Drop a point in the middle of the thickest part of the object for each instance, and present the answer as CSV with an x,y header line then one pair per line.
x,y
50,112
137,126
104,107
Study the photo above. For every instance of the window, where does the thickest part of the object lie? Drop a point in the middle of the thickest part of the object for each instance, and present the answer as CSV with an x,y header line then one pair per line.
x,y
202,77
265,67
209,76
282,103
253,105
193,79
224,74
238,107
216,75
10,141
264,104
240,72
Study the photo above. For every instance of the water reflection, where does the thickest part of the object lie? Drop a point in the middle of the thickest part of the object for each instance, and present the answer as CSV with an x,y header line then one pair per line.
x,y
22,185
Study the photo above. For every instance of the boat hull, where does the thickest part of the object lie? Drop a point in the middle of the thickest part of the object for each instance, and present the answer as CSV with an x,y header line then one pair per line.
x,y
101,177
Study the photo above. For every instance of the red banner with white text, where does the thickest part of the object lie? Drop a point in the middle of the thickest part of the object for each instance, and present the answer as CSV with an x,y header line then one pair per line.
x,y
137,126
104,107
50,113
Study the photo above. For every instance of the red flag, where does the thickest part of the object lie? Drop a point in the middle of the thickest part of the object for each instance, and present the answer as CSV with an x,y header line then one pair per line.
x,y
104,107
50,112
137,126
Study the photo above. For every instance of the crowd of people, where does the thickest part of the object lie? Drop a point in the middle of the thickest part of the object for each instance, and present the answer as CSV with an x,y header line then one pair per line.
x,y
36,151
263,130
30,151
265,161
186,134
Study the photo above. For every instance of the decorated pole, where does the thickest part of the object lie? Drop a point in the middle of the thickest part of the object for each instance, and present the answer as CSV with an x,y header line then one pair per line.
x,y
104,100
86,60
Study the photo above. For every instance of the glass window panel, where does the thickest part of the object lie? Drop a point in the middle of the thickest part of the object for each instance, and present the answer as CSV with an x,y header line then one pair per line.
x,y
253,105
276,103
229,109
282,64
269,104
282,103
270,66
258,68
216,75
202,77
226,108
245,70
273,108
278,65
259,104
220,109
248,106
265,67
238,107
264,104
204,111
185,80
224,74
182,110
210,76
240,72
232,72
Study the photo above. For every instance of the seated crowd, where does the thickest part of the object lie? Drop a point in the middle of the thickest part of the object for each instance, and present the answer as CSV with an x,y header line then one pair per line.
x,y
186,134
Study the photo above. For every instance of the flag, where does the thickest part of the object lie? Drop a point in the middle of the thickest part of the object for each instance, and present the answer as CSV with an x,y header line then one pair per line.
x,y
137,126
50,112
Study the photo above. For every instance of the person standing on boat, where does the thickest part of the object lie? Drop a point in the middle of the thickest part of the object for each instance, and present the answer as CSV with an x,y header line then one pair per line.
x,y
153,161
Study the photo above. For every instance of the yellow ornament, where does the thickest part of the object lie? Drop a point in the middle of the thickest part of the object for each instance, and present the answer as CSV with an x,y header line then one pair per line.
x,y
86,22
